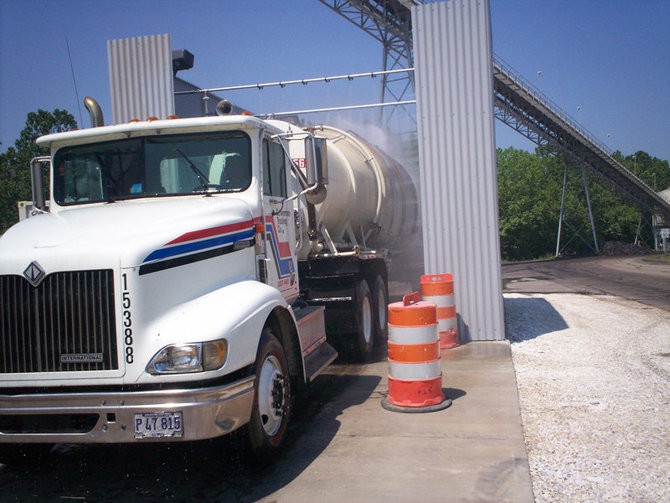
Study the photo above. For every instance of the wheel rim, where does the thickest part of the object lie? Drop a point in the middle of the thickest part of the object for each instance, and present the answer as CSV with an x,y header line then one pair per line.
x,y
366,312
271,395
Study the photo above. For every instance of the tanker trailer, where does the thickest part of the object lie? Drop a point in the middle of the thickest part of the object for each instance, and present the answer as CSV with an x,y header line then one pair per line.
x,y
372,201
365,231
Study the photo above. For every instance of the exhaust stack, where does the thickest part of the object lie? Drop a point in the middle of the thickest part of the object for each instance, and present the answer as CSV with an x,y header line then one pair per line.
x,y
94,112
224,107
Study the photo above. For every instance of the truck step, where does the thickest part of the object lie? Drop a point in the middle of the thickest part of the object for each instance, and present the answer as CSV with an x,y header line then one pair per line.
x,y
316,352
318,360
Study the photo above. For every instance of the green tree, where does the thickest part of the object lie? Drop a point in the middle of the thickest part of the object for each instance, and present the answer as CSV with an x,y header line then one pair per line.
x,y
616,218
528,202
15,161
653,171
620,213
529,198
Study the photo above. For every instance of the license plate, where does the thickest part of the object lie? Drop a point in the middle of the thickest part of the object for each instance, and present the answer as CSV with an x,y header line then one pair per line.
x,y
159,425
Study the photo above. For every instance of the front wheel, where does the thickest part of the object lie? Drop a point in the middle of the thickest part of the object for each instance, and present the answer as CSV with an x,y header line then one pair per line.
x,y
272,404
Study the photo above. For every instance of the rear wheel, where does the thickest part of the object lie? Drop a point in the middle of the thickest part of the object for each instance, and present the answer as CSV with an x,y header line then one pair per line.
x,y
365,324
272,402
380,302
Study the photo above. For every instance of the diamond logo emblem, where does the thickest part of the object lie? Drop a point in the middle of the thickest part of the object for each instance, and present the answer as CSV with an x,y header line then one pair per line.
x,y
34,273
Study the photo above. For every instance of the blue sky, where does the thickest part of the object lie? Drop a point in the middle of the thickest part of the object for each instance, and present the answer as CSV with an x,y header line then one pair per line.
x,y
605,62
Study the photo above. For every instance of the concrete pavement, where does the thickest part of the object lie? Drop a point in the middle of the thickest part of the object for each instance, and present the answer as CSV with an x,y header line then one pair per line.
x,y
355,450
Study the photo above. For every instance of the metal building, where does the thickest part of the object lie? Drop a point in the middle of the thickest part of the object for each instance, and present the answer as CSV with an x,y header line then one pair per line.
x,y
457,158
140,77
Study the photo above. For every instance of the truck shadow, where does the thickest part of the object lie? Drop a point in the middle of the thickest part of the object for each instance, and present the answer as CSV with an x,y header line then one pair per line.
x,y
316,426
219,470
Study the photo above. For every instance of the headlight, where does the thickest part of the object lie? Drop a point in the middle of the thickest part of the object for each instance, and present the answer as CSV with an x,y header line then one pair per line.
x,y
189,358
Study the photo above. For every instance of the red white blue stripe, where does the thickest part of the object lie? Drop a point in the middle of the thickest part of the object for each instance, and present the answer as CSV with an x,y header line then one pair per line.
x,y
203,240
281,249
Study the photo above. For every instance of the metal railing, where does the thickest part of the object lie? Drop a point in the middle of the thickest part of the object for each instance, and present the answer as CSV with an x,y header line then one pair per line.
x,y
529,92
501,66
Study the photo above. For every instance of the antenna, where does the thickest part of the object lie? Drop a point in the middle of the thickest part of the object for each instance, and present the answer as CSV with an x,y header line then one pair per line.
x,y
74,82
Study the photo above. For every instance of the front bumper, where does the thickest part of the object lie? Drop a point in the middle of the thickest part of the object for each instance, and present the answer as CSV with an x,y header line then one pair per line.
x,y
109,417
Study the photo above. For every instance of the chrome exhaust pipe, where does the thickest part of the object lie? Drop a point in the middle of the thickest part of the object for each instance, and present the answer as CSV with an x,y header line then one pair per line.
x,y
94,112
224,107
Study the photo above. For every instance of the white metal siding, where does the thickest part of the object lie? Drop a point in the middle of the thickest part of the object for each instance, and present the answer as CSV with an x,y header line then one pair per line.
x,y
140,77
454,90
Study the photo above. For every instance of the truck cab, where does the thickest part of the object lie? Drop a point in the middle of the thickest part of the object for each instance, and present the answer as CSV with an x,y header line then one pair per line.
x,y
158,297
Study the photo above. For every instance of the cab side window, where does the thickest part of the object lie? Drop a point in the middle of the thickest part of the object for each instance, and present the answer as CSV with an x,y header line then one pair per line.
x,y
274,169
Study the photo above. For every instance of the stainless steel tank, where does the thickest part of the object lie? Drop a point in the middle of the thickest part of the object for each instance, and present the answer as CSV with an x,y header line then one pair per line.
x,y
371,197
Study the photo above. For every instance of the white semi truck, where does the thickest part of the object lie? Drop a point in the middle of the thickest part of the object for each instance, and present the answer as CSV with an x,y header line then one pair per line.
x,y
188,276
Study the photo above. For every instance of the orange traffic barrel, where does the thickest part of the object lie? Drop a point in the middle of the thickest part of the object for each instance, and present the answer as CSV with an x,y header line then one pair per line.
x,y
439,289
414,377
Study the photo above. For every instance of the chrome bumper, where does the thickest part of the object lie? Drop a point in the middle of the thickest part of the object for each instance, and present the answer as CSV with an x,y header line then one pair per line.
x,y
206,413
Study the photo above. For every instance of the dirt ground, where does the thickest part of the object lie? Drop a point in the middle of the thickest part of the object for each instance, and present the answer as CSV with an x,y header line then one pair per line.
x,y
642,279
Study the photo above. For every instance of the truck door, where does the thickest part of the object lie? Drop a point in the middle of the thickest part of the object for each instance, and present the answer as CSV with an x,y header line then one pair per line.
x,y
280,232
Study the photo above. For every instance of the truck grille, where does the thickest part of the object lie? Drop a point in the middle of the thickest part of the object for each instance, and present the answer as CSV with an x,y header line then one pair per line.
x,y
65,324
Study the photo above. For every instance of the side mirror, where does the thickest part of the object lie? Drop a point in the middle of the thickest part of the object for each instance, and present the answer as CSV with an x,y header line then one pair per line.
x,y
37,182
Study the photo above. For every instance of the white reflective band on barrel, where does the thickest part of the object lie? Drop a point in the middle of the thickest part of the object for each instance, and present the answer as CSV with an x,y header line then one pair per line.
x,y
414,371
412,335
446,324
440,300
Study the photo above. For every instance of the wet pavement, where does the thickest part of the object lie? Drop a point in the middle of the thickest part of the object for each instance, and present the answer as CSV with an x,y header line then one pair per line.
x,y
343,446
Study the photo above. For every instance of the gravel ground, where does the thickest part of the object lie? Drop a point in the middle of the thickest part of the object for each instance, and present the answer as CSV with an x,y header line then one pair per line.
x,y
593,374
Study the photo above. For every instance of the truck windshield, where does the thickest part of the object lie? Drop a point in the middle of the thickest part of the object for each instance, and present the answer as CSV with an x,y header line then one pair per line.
x,y
152,167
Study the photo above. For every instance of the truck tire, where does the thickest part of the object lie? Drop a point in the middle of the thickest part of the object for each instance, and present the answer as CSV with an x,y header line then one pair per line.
x,y
272,402
365,324
24,454
380,300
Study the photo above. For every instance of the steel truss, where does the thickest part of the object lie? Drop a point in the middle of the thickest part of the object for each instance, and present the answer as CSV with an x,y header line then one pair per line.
x,y
527,126
517,103
563,221
526,110
390,23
